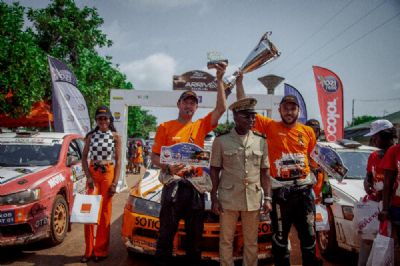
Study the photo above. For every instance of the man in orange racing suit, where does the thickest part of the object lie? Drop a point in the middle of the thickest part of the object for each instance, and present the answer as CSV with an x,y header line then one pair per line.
x,y
180,198
289,146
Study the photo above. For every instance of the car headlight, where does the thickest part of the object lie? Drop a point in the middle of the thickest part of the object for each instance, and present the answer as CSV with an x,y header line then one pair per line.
x,y
20,198
143,206
348,212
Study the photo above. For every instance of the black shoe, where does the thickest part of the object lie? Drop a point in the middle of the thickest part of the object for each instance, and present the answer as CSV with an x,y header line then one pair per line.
x,y
99,258
85,259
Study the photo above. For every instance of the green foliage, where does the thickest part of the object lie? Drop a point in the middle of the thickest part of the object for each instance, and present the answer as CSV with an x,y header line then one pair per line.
x,y
362,119
66,32
140,122
23,66
222,128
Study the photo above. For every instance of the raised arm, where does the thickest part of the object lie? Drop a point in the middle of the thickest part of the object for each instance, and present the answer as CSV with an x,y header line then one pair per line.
x,y
239,86
220,107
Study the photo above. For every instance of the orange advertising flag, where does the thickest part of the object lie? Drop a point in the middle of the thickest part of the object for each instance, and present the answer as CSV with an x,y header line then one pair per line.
x,y
330,98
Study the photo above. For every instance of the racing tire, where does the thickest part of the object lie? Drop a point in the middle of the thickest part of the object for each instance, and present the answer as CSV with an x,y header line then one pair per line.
x,y
59,221
326,240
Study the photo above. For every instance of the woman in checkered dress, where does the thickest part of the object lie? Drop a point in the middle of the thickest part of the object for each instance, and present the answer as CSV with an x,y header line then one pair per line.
x,y
102,165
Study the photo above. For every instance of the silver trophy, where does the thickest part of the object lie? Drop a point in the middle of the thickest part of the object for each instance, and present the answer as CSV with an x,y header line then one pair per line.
x,y
215,58
263,53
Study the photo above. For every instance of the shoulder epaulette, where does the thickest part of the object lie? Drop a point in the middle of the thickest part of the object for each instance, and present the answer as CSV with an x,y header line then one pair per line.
x,y
259,134
222,133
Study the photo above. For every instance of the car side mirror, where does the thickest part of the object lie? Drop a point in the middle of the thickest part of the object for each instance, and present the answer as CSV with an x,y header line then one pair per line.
x,y
70,160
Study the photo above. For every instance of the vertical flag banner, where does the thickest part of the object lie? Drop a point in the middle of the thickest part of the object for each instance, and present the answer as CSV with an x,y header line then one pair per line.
x,y
69,107
330,98
303,108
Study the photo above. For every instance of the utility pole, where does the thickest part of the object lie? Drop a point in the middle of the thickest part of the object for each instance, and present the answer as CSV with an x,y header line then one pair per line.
x,y
352,112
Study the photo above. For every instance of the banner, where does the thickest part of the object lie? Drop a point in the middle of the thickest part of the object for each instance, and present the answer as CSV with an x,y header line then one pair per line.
x,y
290,90
330,98
69,107
194,80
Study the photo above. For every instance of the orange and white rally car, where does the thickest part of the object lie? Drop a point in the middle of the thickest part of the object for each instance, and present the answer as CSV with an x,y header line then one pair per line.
x,y
39,174
141,224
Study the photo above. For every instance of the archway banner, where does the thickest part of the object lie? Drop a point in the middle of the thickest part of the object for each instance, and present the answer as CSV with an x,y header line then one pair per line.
x,y
330,98
195,80
69,107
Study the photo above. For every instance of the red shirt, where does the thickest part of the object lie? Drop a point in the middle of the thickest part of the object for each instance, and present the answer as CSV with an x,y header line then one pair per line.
x,y
391,161
373,167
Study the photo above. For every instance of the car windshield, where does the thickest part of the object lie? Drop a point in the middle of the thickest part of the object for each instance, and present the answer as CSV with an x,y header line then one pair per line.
x,y
12,154
356,162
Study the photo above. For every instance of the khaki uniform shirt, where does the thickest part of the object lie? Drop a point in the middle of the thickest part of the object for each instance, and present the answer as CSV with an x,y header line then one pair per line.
x,y
240,158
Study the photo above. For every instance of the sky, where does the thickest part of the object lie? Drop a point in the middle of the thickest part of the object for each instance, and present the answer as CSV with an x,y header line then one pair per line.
x,y
357,39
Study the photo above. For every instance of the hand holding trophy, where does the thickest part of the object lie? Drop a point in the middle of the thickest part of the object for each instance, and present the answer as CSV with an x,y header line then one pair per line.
x,y
263,53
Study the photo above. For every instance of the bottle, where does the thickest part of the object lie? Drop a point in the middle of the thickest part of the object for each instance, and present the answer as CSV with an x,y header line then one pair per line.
x,y
327,195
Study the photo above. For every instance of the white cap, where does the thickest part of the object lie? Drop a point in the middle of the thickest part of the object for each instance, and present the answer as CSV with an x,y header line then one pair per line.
x,y
378,126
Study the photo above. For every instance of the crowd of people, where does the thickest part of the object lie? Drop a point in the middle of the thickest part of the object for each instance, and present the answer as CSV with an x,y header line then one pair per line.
x,y
259,164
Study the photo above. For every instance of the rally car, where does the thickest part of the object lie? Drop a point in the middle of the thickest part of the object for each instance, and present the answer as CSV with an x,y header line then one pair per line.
x,y
141,224
346,193
39,174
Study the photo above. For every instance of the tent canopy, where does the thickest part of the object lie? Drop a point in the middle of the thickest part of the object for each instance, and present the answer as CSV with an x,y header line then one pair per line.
x,y
40,116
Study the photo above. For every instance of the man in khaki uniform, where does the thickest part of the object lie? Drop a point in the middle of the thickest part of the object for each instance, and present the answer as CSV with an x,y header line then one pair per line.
x,y
239,170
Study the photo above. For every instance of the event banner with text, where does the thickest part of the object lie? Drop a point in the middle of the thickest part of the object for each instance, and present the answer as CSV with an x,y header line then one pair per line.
x,y
330,98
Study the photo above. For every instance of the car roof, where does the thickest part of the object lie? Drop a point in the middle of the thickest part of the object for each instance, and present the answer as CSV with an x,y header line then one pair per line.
x,y
338,146
8,137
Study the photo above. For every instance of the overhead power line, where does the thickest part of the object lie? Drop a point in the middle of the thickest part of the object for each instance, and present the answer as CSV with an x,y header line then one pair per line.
x,y
361,37
313,34
333,38
378,100
353,42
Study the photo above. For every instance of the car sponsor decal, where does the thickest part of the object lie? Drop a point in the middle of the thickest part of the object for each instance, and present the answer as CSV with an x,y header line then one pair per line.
x,y
79,186
41,222
77,173
142,243
10,173
147,223
54,181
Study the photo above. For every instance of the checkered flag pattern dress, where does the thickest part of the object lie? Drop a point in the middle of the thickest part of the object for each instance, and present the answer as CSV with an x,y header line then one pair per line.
x,y
102,146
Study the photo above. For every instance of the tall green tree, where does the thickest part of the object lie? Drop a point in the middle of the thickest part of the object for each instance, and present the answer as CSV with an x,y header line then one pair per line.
x,y
73,35
140,122
362,119
23,65
66,32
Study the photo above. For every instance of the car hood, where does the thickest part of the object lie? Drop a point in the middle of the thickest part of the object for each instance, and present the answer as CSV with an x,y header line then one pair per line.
x,y
353,188
14,175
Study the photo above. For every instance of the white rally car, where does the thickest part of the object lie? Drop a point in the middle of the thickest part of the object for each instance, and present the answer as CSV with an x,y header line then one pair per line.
x,y
345,193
